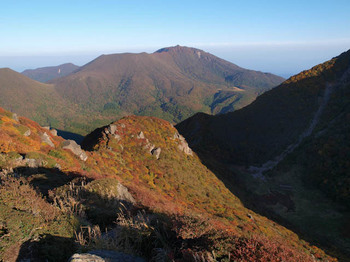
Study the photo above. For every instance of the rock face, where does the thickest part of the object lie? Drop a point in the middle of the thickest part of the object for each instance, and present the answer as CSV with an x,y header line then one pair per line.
x,y
46,139
75,148
183,146
105,256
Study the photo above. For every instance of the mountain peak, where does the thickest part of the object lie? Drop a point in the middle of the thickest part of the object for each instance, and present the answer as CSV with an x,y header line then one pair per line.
x,y
176,48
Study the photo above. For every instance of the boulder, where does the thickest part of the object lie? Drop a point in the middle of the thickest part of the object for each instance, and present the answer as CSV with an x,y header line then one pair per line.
x,y
15,117
149,146
53,132
124,194
182,145
45,138
46,127
156,152
75,148
86,258
33,163
27,133
111,129
105,256
141,135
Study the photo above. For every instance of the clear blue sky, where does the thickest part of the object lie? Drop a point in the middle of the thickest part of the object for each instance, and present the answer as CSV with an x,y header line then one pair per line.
x,y
282,36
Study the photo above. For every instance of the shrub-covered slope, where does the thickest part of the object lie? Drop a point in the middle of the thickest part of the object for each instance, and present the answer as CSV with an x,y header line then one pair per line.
x,y
141,182
262,130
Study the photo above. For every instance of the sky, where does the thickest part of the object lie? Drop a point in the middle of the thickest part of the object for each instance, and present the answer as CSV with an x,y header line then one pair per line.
x,y
282,37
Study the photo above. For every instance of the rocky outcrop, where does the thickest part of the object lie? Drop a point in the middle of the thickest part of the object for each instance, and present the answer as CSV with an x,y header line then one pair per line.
x,y
75,148
183,146
32,163
45,138
141,135
53,132
156,152
111,129
149,146
105,256
124,194
15,117
27,133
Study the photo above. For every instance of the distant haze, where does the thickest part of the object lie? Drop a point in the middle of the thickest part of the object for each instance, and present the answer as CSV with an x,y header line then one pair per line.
x,y
281,37
280,59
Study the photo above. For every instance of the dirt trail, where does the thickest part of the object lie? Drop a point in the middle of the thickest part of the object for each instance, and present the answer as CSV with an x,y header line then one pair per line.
x,y
257,172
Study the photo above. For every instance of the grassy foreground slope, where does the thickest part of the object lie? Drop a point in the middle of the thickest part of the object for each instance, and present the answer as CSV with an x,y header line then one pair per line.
x,y
177,208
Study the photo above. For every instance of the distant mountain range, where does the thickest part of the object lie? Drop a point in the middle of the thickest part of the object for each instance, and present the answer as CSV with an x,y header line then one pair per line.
x,y
45,74
172,83
288,148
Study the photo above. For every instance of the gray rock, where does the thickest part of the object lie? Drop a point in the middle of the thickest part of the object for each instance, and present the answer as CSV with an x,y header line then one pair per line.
x,y
19,159
112,129
15,117
183,146
53,132
85,258
141,135
156,152
176,135
75,148
46,139
117,137
27,133
33,163
105,256
149,146
124,194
